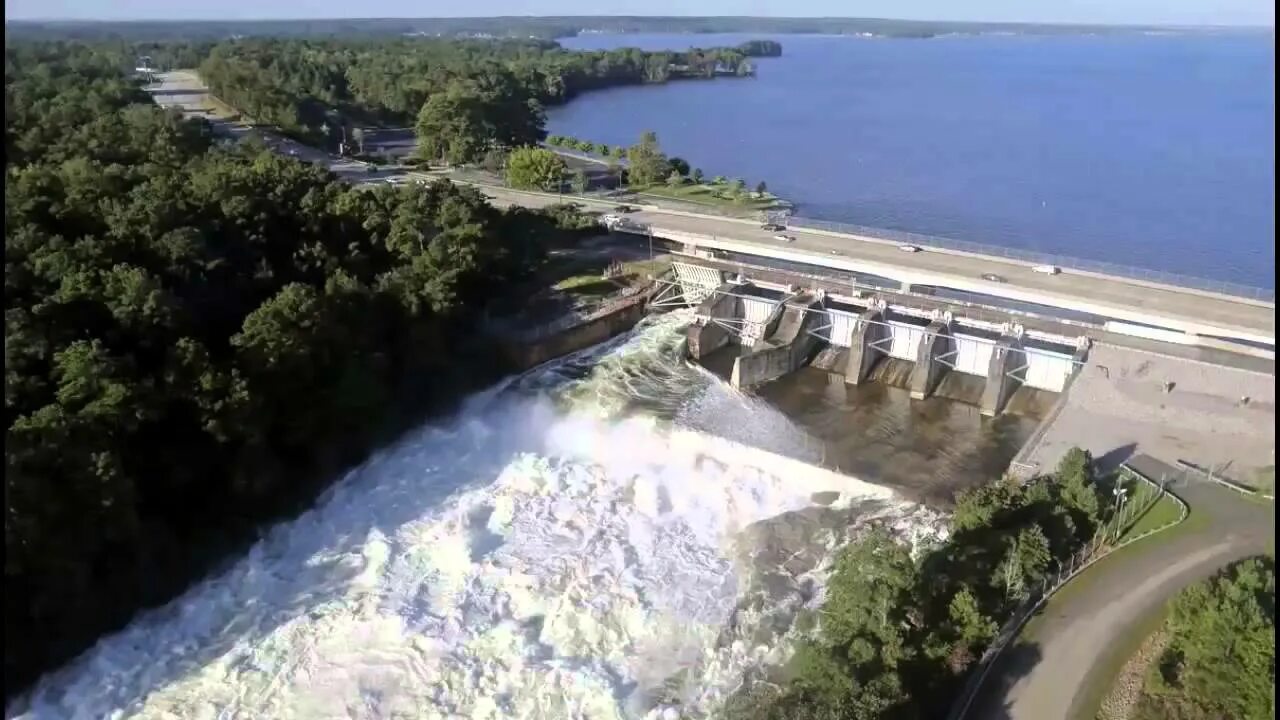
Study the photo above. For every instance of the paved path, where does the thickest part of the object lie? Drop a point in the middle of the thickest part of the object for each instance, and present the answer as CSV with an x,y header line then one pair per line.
x,y
1117,405
1040,678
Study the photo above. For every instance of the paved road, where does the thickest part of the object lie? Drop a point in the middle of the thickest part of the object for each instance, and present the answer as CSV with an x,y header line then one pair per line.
x,y
1211,315
1042,676
1119,298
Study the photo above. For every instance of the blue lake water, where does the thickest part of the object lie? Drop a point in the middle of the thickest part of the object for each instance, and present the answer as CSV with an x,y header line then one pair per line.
x,y
1152,151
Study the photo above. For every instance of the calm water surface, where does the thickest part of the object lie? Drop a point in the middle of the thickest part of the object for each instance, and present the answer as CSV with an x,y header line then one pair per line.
x,y
1154,151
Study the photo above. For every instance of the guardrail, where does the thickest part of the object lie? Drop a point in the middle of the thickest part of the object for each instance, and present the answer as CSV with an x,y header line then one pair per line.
x,y
1230,485
1097,549
1039,258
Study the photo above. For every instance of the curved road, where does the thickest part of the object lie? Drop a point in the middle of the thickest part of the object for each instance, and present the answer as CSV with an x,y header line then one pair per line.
x,y
1042,675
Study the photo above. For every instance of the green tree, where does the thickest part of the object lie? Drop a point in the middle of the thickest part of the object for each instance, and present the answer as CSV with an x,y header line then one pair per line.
x,y
973,628
647,164
761,188
679,165
1078,489
579,182
588,148
697,176
675,179
1220,659
619,152
534,168
719,180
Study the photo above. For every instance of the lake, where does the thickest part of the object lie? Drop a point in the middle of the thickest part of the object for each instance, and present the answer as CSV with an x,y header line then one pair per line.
x,y
1156,151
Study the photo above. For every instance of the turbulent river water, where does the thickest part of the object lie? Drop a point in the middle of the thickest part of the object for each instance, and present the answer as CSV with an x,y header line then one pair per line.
x,y
579,542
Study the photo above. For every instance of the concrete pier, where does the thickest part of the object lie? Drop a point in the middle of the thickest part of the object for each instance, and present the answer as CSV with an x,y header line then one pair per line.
x,y
934,348
706,336
789,345
1004,373
864,347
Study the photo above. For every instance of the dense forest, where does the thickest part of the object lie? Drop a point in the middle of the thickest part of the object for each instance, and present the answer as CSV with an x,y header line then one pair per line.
x,y
1220,660
321,90
196,338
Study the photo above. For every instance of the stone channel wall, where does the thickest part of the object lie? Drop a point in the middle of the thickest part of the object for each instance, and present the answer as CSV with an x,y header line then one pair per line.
x,y
531,349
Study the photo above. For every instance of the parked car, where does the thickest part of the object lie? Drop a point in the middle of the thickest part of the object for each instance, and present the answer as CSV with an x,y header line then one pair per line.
x,y
1047,269
772,227
624,209
784,238
908,248
992,277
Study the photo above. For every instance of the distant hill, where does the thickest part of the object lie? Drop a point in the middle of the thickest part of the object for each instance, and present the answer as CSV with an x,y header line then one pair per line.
x,y
537,27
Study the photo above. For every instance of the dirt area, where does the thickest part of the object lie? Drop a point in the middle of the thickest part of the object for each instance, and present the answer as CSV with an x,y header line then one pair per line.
x,y
1127,401
1124,694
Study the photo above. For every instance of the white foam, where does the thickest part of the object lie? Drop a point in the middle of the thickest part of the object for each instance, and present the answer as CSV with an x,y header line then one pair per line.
x,y
520,562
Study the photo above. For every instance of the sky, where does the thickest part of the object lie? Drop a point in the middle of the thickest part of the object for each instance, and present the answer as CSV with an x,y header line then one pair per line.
x,y
1145,12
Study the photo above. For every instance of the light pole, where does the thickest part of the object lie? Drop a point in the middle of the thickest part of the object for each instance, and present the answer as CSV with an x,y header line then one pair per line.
x,y
1121,495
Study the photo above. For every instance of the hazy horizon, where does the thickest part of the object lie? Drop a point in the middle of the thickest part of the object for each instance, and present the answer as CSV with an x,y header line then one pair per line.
x,y
1240,14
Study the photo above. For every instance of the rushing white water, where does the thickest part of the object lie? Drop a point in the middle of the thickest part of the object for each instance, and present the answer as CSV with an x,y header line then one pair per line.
x,y
570,546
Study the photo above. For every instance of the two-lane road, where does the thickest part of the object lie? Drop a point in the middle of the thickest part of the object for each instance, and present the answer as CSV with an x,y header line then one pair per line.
x,y
1187,310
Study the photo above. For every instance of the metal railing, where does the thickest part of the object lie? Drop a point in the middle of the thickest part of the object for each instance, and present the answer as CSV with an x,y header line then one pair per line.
x,y
1039,258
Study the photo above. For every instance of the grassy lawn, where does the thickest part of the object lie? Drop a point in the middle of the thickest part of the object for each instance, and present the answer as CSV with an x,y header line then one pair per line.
x,y
592,284
704,195
1165,511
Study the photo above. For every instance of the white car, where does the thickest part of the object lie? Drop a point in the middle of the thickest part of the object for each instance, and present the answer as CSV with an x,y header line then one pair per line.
x,y
1046,269
784,238
908,248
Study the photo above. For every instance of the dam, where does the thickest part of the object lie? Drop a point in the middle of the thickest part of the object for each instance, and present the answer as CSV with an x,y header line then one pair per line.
x,y
781,328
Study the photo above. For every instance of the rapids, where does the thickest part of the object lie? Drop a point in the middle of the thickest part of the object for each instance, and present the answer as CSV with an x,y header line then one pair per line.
x,y
614,535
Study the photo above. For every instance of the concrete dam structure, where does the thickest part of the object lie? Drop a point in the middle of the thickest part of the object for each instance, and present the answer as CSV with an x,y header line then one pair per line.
x,y
782,328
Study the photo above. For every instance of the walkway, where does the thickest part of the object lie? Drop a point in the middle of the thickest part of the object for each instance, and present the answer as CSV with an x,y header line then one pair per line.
x,y
1041,675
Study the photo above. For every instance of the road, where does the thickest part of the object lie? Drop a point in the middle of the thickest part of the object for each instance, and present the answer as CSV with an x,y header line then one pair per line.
x,y
1186,310
1042,676
1189,311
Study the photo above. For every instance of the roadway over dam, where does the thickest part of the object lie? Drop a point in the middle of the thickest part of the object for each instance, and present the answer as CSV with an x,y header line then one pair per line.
x,y
1182,310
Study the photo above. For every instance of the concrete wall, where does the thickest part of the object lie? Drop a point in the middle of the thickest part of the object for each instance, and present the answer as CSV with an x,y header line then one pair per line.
x,y
789,347
525,354
928,371
705,336
862,355
1005,359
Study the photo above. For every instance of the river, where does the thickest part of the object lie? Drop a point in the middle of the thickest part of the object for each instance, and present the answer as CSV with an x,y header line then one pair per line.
x,y
1156,151
598,538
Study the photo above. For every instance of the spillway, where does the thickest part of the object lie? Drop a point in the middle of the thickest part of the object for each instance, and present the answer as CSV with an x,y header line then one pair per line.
x,y
589,540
